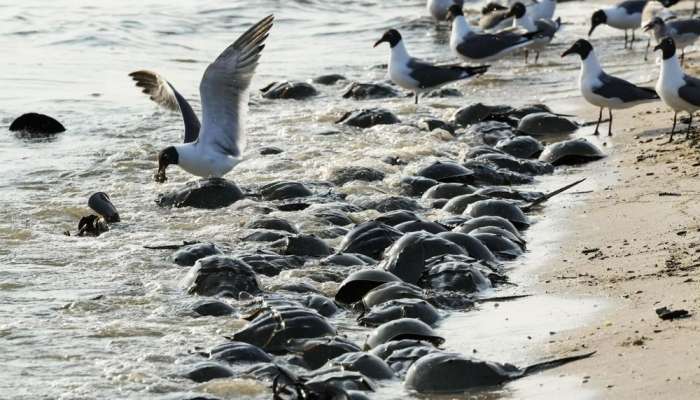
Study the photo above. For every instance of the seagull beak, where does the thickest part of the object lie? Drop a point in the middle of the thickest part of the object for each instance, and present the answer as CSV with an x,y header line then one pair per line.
x,y
648,27
160,176
568,52
382,40
657,47
591,31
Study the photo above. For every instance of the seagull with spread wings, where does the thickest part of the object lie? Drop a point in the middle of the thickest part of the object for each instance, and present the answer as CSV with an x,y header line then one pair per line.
x,y
215,146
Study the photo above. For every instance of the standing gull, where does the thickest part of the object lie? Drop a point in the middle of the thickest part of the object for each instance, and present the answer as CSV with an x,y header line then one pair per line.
x,y
653,9
679,91
215,148
438,8
473,46
545,29
420,76
684,32
603,90
626,15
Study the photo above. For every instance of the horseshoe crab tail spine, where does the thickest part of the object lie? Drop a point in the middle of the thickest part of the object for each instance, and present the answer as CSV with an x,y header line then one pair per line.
x,y
555,363
548,196
171,246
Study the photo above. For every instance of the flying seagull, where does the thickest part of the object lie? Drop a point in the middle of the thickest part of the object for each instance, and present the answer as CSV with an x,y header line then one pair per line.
x,y
214,147
420,76
679,91
603,90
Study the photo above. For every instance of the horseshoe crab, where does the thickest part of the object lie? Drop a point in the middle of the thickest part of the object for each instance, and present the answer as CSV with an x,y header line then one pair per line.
x,y
367,364
239,352
544,123
397,217
189,255
456,276
448,191
275,224
370,239
321,304
517,239
499,208
385,350
357,284
406,258
485,173
510,163
454,373
303,246
458,204
206,371
317,352
571,152
284,190
212,308
500,245
270,264
479,150
485,221
404,328
401,360
416,185
447,172
421,225
401,308
347,260
508,193
472,245
391,291
221,276
521,147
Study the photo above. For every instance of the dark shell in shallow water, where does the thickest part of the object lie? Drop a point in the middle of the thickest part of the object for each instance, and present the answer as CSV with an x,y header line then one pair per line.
x,y
323,305
370,239
505,192
391,291
521,147
33,125
404,328
209,193
478,112
480,150
500,208
486,173
329,79
364,91
304,246
500,245
357,284
421,225
511,163
347,260
397,217
515,238
284,190
539,124
367,118
212,308
388,203
222,276
447,172
277,224
317,352
189,255
367,364
239,352
416,185
271,264
490,133
458,204
206,371
571,152
289,90
472,245
401,360
487,220
385,350
448,191
400,308
323,381
341,176
265,235
456,276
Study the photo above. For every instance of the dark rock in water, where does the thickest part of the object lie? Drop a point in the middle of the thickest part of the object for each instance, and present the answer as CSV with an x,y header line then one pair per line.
x,y
317,352
270,150
539,124
288,90
513,164
275,224
458,204
304,246
476,113
209,193
370,239
447,172
189,255
404,328
521,146
506,192
571,152
212,308
357,284
448,191
421,225
500,208
347,260
391,291
207,371
321,304
394,218
401,360
272,329
485,173
367,118
406,258
433,124
400,308
343,175
364,91
367,364
222,276
473,246
389,203
456,276
284,190
444,92
415,186
499,245
239,352
33,125
330,79
480,150
265,235
490,133
271,264
522,112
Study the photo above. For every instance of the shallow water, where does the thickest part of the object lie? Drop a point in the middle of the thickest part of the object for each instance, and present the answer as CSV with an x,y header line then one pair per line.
x,y
102,317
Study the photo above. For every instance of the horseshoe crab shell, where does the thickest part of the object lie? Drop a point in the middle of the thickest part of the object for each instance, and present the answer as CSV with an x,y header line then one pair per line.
x,y
499,208
458,204
421,225
448,191
367,364
472,245
544,123
485,221
317,352
455,276
401,308
404,328
357,284
385,350
521,147
221,276
447,172
500,245
370,239
401,360
571,152
391,291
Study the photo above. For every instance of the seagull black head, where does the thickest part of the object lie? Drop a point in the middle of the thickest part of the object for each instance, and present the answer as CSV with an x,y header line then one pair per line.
x,y
656,21
518,10
668,3
167,156
582,47
453,12
599,17
491,7
392,36
667,46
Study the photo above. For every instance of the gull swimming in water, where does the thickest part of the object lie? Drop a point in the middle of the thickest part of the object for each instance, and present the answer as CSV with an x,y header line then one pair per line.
x,y
214,147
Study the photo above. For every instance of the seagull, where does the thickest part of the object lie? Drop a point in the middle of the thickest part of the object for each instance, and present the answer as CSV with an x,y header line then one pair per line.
x,y
494,16
543,9
685,32
545,28
473,46
215,148
679,91
420,76
626,15
438,8
603,90
653,9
